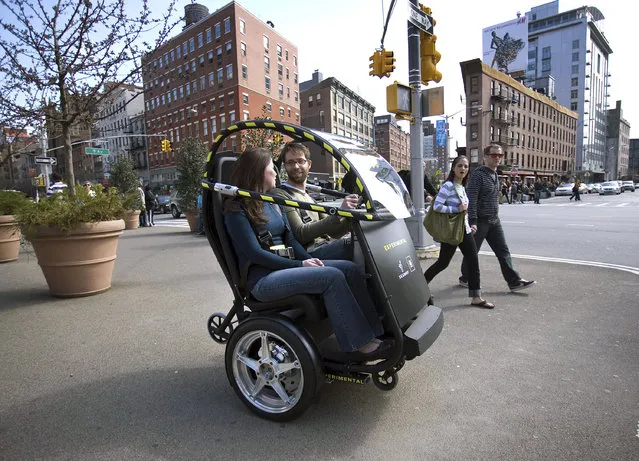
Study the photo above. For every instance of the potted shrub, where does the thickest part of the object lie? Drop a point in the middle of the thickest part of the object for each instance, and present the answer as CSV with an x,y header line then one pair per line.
x,y
75,239
124,179
10,203
190,162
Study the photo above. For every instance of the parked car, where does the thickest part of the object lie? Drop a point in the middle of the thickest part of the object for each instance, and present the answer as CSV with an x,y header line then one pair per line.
x,y
620,183
564,189
628,185
610,187
162,204
583,189
596,188
174,205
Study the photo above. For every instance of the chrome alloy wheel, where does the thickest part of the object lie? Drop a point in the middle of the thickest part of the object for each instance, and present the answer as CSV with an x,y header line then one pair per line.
x,y
267,371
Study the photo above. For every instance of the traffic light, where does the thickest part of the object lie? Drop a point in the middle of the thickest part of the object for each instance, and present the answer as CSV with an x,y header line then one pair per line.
x,y
166,145
388,63
376,64
430,57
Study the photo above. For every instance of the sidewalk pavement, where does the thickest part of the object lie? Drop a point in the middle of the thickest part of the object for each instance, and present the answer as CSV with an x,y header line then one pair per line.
x,y
550,373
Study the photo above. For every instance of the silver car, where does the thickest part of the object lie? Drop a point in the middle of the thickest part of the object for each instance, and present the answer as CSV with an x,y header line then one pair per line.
x,y
610,187
628,185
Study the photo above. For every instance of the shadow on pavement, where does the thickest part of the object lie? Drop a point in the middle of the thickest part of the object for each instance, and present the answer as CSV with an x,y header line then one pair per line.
x,y
189,413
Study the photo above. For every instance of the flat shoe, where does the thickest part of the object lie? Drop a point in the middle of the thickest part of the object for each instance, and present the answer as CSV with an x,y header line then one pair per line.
x,y
485,304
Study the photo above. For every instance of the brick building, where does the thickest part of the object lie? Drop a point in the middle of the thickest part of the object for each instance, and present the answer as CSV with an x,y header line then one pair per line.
x,y
224,66
392,142
536,134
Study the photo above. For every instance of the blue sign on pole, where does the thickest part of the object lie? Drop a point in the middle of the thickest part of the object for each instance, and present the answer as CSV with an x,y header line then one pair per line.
x,y
440,133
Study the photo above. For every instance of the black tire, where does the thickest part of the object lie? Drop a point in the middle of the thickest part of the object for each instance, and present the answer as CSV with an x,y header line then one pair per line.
x,y
385,381
247,367
175,212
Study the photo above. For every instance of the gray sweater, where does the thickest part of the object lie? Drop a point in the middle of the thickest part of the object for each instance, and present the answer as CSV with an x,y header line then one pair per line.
x,y
483,195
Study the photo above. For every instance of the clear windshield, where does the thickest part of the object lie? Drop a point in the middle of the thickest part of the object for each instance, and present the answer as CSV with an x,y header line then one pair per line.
x,y
387,190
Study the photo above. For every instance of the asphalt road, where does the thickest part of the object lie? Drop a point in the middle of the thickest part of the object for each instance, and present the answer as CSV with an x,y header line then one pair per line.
x,y
551,373
599,228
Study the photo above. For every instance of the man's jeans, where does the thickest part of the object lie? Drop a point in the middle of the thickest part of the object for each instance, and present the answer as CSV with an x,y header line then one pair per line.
x,y
537,196
336,249
491,231
343,288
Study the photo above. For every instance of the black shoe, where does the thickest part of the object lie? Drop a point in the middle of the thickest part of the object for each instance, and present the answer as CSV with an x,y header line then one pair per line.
x,y
463,283
522,285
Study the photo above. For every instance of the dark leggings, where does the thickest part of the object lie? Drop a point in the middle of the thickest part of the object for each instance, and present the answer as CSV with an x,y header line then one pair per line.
x,y
446,253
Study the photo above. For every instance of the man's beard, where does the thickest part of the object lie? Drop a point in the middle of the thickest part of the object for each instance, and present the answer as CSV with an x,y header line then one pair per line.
x,y
298,176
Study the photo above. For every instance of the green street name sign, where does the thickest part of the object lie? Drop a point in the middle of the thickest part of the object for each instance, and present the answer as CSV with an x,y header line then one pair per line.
x,y
95,151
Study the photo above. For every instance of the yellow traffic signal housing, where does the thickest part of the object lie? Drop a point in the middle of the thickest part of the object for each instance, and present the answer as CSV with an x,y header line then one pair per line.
x,y
388,64
398,99
376,64
166,145
429,57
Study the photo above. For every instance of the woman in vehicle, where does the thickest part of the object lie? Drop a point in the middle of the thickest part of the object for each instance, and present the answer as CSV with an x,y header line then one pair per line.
x,y
272,275
452,198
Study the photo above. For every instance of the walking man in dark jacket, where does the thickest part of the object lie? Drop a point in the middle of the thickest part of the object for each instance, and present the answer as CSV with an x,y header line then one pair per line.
x,y
483,217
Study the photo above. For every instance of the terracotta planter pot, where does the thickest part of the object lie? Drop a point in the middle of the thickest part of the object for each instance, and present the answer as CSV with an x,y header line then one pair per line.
x,y
9,239
191,218
78,262
132,219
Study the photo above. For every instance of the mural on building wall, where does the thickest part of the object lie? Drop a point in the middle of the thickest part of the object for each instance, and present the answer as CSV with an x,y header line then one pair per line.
x,y
505,45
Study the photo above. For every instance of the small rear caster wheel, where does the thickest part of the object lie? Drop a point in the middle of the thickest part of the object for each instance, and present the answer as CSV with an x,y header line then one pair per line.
x,y
214,323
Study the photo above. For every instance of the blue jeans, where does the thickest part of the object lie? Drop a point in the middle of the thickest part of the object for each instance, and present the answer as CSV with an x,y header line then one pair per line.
x,y
337,249
343,288
537,196
491,231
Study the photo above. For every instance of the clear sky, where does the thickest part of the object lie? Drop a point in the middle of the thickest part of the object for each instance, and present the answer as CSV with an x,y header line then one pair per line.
x,y
338,36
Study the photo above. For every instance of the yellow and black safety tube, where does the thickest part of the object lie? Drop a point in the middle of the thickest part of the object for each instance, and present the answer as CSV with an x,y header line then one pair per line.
x,y
294,131
233,191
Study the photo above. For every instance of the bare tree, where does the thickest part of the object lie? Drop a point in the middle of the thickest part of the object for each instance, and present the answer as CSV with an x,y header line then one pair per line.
x,y
264,137
56,60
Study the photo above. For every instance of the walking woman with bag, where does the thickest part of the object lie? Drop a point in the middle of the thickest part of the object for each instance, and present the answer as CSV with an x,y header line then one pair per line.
x,y
452,199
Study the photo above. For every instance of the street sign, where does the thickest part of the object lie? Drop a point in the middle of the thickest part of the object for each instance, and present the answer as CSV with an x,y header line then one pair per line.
x,y
440,133
95,151
46,160
420,19
38,181
514,172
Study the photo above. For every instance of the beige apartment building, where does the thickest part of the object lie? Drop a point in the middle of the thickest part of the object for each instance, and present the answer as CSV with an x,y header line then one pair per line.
x,y
223,67
538,136
329,105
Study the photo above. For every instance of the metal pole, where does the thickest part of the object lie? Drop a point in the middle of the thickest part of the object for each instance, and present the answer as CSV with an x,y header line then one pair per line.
x,y
415,223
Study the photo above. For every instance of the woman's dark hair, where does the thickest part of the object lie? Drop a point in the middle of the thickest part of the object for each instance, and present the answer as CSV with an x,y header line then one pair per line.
x,y
249,175
451,175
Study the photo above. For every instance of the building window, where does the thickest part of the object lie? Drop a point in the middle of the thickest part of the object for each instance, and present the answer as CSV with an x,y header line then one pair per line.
x,y
267,84
243,48
598,63
242,27
218,53
321,117
200,40
310,101
573,106
280,70
295,63
227,25
474,84
266,42
297,96
218,30
286,54
268,106
575,44
245,99
574,81
575,68
209,55
474,131
545,65
244,71
220,77
209,35
267,64
575,57
229,48
282,112
229,71
279,51
280,90
574,94
192,45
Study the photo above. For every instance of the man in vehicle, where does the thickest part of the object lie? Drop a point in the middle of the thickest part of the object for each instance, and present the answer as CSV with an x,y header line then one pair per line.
x,y
483,216
315,231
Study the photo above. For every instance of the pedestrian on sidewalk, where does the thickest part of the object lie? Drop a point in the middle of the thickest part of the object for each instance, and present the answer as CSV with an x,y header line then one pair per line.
x,y
513,192
483,217
150,201
57,185
538,187
452,199
142,204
